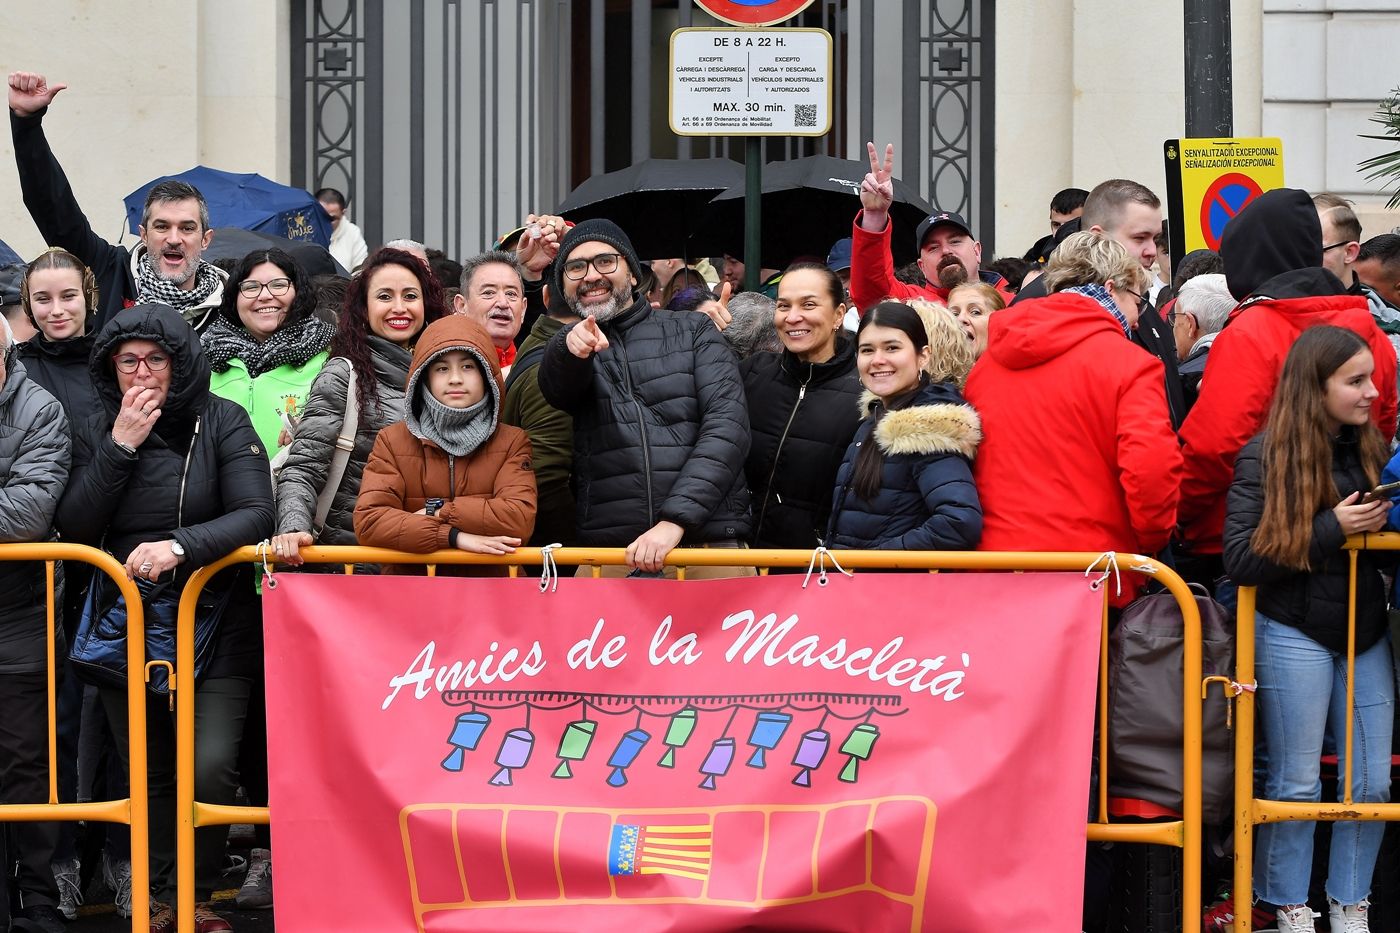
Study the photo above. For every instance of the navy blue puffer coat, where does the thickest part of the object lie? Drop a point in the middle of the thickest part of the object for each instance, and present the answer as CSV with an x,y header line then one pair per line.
x,y
927,500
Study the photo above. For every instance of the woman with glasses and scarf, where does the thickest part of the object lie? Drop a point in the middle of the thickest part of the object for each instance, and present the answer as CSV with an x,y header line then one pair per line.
x,y
266,346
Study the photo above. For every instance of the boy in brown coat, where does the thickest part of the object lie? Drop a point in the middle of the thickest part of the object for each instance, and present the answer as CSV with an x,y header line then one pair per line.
x,y
449,475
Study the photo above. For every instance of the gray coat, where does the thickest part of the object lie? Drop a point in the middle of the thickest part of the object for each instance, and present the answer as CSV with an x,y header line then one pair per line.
x,y
308,464
35,454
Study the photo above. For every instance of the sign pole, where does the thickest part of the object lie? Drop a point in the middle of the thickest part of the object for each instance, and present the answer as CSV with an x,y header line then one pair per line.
x,y
1209,92
753,211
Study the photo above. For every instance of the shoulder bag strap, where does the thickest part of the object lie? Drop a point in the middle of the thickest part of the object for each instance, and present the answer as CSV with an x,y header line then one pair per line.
x,y
344,447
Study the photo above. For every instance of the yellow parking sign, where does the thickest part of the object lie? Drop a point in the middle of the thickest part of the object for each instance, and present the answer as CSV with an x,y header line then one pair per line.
x,y
1209,181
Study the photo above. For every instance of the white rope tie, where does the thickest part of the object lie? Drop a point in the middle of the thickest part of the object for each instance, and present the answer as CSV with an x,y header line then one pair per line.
x,y
1110,570
818,562
549,577
264,548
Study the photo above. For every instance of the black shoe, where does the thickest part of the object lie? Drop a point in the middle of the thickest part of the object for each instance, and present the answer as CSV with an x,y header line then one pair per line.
x,y
44,917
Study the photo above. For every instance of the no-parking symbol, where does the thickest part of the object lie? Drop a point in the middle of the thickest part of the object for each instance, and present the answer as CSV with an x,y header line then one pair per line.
x,y
1225,198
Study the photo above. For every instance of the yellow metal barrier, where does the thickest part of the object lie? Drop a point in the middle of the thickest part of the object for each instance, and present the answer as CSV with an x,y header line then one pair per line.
x,y
1184,833
132,810
1250,810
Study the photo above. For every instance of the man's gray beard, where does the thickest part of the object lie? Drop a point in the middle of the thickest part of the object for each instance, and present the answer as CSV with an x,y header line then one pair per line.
x,y
619,300
177,280
952,275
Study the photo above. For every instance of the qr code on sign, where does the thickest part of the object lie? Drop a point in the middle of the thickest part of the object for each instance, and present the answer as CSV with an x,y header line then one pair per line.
x,y
804,115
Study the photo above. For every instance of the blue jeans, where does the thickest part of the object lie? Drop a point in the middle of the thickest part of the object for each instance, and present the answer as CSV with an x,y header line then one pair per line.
x,y
1302,693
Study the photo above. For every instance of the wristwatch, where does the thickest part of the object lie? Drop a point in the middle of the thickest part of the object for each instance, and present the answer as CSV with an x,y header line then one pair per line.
x,y
177,549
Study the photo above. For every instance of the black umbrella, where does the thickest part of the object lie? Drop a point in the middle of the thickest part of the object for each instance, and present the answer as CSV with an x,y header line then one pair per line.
x,y
235,243
808,204
658,202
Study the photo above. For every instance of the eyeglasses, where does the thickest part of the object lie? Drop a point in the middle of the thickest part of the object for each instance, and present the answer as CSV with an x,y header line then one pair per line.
x,y
605,263
250,288
1335,245
130,362
1136,296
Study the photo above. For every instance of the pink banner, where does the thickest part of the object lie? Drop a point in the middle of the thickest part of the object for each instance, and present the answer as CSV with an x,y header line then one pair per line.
x,y
888,752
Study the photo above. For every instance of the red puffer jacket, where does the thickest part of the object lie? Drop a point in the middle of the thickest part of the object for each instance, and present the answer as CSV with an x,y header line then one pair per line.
x,y
1078,452
1238,388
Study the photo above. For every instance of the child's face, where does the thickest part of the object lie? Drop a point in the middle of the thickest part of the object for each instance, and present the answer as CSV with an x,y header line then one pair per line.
x,y
455,380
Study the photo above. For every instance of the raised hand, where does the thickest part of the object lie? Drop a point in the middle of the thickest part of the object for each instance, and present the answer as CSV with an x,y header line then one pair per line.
x,y
586,339
539,244
877,189
138,415
30,92
719,310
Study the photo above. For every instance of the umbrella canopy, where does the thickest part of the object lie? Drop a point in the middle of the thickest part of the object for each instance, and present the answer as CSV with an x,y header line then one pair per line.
x,y
235,243
808,204
250,202
8,257
658,202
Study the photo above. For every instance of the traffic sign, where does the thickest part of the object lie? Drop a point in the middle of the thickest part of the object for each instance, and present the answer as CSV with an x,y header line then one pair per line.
x,y
750,82
1225,198
753,12
1209,181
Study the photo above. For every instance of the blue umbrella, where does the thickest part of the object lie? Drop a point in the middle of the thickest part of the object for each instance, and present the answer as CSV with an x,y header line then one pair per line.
x,y
8,257
250,202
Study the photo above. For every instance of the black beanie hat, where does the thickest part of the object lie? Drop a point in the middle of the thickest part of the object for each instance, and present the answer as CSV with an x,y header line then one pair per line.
x,y
596,230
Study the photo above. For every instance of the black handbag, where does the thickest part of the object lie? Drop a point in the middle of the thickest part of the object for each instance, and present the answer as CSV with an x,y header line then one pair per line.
x,y
98,654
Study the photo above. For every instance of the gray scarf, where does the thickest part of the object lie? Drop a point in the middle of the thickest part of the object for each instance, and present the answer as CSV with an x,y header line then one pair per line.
x,y
459,431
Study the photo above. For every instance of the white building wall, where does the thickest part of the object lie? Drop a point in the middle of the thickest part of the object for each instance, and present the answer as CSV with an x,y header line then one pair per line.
x,y
153,88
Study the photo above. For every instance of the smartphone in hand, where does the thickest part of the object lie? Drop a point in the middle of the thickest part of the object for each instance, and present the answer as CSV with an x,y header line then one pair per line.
x,y
1383,491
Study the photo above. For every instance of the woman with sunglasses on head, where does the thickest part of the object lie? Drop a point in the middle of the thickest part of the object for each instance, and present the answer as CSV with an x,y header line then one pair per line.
x,y
266,346
391,299
168,477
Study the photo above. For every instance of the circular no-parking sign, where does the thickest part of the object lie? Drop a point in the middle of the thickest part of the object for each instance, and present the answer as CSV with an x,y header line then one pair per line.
x,y
1225,198
753,12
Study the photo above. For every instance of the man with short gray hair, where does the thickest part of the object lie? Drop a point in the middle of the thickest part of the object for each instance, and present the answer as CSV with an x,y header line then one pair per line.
x,y
1200,311
493,295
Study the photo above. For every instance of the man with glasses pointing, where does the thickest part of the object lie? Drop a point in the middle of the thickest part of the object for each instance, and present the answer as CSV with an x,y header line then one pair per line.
x,y
660,425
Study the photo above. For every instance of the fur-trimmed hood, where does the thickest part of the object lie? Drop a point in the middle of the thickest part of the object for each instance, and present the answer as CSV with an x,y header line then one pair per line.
x,y
937,421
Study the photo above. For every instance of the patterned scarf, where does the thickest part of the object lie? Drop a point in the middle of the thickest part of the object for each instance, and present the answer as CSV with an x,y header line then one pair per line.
x,y
287,346
1100,294
151,287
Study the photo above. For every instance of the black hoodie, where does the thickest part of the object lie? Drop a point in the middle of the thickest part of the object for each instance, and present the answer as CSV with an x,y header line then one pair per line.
x,y
1278,232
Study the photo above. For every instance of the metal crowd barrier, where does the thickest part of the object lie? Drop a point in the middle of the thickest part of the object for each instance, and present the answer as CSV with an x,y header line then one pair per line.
x,y
1250,810
132,810
1183,833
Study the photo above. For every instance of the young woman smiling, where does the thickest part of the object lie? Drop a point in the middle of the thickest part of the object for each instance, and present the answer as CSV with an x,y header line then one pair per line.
x,y
802,410
906,481
390,301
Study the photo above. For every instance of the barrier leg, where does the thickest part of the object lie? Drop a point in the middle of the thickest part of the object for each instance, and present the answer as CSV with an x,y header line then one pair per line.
x,y
1243,889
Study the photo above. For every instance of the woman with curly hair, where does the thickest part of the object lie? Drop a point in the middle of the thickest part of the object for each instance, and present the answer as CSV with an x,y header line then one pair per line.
x,y
389,302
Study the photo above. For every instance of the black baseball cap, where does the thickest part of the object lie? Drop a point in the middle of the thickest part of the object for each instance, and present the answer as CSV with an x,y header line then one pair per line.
x,y
936,219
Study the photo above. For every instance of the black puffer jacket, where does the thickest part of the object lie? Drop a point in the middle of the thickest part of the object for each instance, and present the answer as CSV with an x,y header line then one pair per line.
x,y
1315,602
927,499
803,416
61,367
660,428
200,478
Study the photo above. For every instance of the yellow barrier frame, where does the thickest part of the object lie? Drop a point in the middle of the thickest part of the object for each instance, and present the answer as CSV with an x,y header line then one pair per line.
x,y
131,810
1251,810
1184,833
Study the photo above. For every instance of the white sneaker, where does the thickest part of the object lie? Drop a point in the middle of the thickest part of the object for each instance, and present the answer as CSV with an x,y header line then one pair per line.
x,y
1297,920
70,893
256,893
117,875
1350,918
